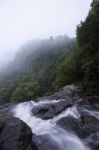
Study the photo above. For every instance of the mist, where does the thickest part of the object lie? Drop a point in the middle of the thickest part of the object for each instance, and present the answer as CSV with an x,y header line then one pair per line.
x,y
24,20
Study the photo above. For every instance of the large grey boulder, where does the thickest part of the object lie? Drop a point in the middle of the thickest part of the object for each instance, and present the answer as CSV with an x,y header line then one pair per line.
x,y
14,133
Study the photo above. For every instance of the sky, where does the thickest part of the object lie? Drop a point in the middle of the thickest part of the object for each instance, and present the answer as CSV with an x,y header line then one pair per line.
x,y
24,20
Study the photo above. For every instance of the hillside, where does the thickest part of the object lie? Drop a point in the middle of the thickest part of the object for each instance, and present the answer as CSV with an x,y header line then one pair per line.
x,y
42,67
36,69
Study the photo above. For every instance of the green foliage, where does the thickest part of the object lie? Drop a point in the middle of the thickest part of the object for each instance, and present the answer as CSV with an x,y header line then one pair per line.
x,y
88,40
69,71
35,72
26,90
5,92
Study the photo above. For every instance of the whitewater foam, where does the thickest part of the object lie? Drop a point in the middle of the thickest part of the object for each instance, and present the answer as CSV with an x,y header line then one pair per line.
x,y
63,139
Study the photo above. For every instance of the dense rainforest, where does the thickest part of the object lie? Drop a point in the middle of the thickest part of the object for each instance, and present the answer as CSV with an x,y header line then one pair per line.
x,y
44,66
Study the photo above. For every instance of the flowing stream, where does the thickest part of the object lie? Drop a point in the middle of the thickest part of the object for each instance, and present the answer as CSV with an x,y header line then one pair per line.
x,y
57,136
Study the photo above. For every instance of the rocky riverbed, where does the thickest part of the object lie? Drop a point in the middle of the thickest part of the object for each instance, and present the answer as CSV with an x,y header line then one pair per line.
x,y
67,120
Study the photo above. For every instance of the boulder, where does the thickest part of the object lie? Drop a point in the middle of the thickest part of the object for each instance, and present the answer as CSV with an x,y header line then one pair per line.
x,y
15,135
89,123
92,101
50,110
71,124
46,142
67,92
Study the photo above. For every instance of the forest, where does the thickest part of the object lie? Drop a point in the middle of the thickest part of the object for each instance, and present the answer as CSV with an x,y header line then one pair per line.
x,y
42,67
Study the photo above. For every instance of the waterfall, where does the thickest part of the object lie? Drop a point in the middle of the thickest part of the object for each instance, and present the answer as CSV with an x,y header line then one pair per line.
x,y
59,138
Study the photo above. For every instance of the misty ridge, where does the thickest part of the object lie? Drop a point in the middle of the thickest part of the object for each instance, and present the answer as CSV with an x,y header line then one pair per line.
x,y
36,62
22,21
37,47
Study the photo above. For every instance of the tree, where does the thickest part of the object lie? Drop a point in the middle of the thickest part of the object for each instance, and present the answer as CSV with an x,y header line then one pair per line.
x,y
27,90
88,40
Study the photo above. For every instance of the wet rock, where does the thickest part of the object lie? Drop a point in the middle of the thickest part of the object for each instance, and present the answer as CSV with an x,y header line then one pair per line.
x,y
46,142
71,124
87,124
67,92
92,99
96,146
50,110
89,101
90,124
14,134
93,141
5,110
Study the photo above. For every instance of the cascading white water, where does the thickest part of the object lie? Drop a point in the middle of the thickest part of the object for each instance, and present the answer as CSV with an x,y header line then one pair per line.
x,y
63,139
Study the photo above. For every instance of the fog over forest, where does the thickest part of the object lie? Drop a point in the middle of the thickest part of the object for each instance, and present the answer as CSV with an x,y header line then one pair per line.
x,y
24,20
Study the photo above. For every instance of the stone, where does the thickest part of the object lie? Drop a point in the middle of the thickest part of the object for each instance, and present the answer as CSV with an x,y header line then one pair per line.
x,y
50,110
15,135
